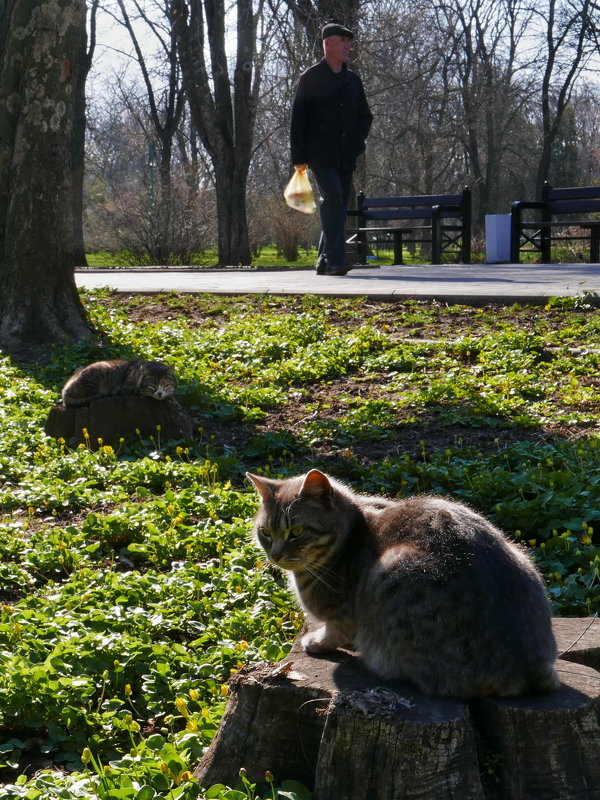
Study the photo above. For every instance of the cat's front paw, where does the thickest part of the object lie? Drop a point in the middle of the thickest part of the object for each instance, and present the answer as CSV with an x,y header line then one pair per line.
x,y
321,641
316,642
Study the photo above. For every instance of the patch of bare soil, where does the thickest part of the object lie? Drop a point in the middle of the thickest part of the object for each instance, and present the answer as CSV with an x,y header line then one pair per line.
x,y
409,430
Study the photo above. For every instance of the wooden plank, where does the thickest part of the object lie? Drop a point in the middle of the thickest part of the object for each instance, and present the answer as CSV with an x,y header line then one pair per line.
x,y
569,192
573,206
414,200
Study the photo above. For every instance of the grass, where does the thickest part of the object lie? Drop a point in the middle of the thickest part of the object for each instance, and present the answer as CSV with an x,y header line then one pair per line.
x,y
129,588
268,256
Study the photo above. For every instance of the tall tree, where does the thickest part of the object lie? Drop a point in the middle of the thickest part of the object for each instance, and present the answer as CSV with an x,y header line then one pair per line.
x,y
567,45
165,110
223,107
40,43
483,44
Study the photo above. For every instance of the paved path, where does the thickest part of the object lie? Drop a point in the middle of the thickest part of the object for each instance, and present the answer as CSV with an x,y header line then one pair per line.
x,y
471,284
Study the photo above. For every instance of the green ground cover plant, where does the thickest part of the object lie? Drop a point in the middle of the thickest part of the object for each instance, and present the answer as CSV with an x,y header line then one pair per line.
x,y
267,256
130,590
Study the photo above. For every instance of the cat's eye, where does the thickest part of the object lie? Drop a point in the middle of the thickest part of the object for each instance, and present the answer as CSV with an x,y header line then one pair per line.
x,y
264,533
296,531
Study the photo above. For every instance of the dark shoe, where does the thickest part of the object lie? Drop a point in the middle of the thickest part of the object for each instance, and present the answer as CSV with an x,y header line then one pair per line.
x,y
334,271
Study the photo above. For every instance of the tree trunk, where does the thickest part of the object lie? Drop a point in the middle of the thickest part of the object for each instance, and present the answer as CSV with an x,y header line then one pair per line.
x,y
78,148
224,119
165,110
39,63
569,45
337,728
78,162
234,246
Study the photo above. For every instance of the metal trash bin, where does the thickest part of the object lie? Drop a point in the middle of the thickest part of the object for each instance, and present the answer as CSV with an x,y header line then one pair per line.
x,y
497,238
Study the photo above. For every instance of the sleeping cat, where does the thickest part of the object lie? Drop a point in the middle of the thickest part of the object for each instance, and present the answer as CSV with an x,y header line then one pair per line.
x,y
425,589
108,378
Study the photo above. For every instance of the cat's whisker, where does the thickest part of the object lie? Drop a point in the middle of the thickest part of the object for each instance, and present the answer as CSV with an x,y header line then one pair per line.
x,y
323,568
319,575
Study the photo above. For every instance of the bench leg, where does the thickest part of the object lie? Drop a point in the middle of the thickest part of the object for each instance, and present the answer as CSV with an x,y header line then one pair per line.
x,y
594,245
545,242
398,247
465,246
515,236
436,239
361,247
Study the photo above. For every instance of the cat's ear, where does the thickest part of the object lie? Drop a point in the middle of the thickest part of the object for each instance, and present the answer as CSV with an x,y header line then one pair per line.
x,y
261,485
316,484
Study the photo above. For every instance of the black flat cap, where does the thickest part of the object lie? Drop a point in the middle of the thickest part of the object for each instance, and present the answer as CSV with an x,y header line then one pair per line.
x,y
335,29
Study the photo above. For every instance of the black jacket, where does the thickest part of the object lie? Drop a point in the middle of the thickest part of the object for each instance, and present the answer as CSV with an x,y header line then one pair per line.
x,y
330,118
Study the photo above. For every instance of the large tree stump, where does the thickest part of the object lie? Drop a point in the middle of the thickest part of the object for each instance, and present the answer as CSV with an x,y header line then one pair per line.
x,y
547,747
337,728
111,418
379,743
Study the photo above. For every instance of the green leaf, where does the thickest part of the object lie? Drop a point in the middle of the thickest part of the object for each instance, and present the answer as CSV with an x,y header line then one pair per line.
x,y
216,791
298,790
146,793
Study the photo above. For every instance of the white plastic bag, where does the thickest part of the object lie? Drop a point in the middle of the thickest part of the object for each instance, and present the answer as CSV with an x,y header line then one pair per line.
x,y
299,194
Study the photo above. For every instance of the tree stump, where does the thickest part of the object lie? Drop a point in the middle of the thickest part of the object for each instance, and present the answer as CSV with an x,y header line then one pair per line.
x,y
378,743
111,418
337,728
547,747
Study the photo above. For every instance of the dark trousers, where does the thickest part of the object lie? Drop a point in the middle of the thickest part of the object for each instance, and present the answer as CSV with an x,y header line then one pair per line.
x,y
334,187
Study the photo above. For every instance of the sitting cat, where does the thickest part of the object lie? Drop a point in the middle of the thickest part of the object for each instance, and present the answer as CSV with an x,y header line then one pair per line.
x,y
119,377
425,589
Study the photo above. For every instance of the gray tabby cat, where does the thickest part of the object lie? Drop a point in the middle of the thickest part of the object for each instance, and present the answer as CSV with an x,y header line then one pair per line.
x,y
425,589
119,377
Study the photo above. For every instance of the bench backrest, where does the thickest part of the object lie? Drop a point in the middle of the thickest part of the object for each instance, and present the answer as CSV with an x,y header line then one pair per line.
x,y
571,199
413,206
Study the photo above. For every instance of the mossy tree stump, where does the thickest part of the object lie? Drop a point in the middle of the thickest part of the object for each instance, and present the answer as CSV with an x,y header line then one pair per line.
x,y
335,727
109,419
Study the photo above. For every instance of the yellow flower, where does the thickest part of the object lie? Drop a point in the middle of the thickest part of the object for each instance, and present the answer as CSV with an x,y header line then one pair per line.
x,y
181,704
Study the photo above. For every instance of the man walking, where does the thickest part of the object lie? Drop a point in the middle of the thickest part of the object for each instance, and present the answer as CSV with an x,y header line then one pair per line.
x,y
330,123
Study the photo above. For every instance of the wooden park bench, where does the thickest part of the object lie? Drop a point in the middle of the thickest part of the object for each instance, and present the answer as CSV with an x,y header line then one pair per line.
x,y
566,214
441,221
